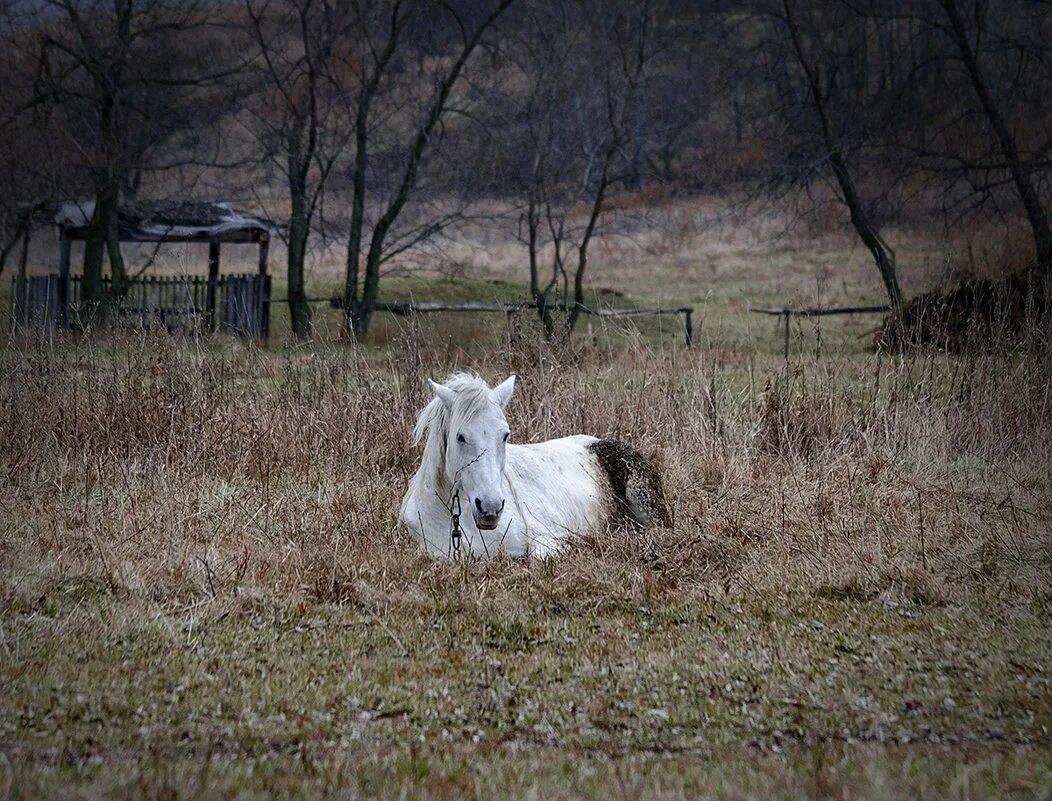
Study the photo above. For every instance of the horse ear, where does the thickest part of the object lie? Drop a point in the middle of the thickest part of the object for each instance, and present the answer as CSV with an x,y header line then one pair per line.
x,y
443,393
503,391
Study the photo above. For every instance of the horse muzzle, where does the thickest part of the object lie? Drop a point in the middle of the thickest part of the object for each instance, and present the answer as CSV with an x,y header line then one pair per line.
x,y
484,518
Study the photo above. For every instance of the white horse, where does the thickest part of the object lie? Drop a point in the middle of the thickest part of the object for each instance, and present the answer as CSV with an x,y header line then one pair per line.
x,y
476,490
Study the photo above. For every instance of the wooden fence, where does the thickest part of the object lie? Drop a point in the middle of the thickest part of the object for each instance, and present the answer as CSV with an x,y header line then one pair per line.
x,y
786,313
36,302
406,309
246,304
165,303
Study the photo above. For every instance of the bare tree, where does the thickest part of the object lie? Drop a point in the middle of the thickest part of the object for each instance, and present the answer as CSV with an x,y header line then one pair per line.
x,y
362,290
971,83
583,135
120,78
883,255
1018,167
299,129
806,95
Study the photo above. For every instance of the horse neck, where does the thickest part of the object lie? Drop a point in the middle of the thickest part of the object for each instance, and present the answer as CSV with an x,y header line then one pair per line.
x,y
430,477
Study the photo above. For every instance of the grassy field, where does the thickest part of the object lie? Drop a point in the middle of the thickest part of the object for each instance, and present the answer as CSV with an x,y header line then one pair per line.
x,y
205,592
689,252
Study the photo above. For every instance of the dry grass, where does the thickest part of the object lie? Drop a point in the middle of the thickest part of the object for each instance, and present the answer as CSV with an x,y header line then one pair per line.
x,y
205,592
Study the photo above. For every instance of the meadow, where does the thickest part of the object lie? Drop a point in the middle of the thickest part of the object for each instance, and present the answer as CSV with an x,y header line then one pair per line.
x,y
206,593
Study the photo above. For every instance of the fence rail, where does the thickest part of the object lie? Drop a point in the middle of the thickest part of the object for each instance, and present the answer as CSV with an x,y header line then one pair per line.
x,y
404,309
785,313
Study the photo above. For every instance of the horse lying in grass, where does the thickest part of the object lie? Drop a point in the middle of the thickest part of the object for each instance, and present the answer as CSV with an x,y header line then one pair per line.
x,y
478,491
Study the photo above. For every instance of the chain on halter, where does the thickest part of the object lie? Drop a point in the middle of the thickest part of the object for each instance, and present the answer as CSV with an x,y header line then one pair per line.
x,y
455,532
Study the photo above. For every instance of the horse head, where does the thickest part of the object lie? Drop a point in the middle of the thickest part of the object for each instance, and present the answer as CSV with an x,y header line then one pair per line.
x,y
476,443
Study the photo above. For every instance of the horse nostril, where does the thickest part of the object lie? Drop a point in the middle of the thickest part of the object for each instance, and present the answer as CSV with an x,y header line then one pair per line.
x,y
478,504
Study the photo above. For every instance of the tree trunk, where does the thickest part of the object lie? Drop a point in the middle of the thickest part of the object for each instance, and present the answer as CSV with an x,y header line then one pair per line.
x,y
118,275
299,231
92,295
533,221
360,313
300,155
21,288
1035,212
351,294
354,238
883,256
582,250
371,286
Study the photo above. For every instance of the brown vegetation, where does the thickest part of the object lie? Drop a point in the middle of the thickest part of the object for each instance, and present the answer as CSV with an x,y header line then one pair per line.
x,y
203,575
1009,312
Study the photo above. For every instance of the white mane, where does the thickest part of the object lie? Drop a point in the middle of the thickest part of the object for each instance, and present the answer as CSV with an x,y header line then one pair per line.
x,y
435,422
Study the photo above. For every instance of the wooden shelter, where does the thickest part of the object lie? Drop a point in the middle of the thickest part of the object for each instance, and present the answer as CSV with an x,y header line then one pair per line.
x,y
240,302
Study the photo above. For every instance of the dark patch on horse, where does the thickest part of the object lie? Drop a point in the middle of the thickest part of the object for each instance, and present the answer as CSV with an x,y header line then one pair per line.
x,y
635,482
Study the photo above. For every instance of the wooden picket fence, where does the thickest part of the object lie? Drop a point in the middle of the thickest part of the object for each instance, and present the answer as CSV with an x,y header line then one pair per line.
x,y
152,303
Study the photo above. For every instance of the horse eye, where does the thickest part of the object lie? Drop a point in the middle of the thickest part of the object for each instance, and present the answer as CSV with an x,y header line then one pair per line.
x,y
460,438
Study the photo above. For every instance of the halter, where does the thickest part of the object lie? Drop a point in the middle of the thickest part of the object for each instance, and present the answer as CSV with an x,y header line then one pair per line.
x,y
455,532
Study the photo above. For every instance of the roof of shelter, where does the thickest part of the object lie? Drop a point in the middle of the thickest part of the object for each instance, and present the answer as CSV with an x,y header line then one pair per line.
x,y
164,221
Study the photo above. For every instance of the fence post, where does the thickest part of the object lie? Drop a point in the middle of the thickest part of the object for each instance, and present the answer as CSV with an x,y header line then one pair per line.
x,y
785,347
63,280
23,281
690,326
263,309
213,283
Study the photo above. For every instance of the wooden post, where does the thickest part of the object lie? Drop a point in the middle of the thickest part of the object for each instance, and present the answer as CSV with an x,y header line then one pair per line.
x,y
63,280
509,324
689,313
785,347
213,284
264,287
264,252
23,281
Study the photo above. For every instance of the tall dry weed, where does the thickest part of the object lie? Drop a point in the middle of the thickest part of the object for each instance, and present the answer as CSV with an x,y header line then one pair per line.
x,y
183,473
